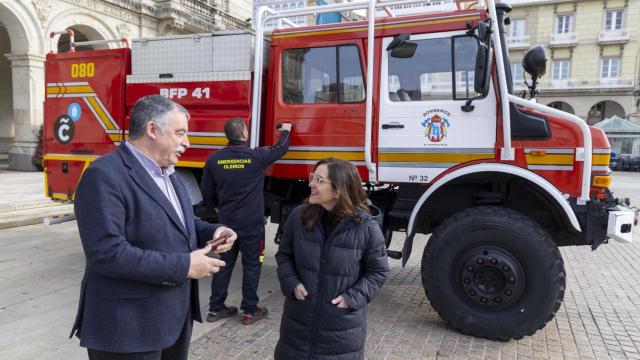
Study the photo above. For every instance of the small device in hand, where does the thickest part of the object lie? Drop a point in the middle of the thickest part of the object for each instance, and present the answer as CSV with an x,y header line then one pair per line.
x,y
214,245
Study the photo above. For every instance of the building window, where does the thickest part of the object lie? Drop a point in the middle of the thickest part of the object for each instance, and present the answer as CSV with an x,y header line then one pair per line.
x,y
517,29
626,146
517,74
560,70
322,75
609,68
613,20
564,24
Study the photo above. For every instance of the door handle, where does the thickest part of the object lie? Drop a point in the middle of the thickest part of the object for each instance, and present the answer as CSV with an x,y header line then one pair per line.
x,y
393,125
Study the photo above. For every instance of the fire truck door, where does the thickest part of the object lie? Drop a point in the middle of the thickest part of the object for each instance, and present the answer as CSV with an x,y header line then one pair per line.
x,y
423,130
322,92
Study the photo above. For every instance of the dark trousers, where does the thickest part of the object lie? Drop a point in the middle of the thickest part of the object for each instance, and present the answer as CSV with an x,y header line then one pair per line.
x,y
178,351
251,247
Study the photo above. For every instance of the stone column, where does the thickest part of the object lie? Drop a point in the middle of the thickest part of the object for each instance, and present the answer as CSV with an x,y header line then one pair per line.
x,y
28,95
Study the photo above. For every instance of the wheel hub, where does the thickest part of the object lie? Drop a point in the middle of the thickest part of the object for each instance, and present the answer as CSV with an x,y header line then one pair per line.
x,y
491,277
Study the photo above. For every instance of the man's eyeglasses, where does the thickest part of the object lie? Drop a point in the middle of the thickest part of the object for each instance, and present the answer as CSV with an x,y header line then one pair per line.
x,y
318,179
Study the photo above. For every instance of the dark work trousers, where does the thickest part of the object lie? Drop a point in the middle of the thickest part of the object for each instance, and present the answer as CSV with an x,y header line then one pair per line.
x,y
251,245
178,351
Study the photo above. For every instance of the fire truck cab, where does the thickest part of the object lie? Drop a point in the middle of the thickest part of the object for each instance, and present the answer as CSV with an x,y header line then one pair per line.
x,y
423,105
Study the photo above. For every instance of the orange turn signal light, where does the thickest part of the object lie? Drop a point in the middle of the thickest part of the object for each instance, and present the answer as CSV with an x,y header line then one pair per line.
x,y
603,181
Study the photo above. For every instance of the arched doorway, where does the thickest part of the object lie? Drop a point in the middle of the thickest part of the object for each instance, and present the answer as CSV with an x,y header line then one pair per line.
x,y
563,106
22,52
81,33
604,110
7,128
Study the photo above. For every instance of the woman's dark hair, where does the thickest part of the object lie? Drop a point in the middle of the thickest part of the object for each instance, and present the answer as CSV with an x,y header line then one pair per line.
x,y
346,181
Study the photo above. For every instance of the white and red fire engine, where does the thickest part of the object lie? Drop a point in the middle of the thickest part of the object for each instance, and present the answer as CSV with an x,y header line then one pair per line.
x,y
423,105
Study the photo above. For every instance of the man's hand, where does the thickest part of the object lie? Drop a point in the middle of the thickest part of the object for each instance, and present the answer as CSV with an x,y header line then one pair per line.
x,y
300,292
201,265
229,235
340,302
285,126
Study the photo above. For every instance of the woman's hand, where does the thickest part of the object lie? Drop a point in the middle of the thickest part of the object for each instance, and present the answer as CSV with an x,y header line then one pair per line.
x,y
340,302
300,292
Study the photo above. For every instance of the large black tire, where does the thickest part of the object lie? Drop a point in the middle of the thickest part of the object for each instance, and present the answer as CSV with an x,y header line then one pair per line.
x,y
494,273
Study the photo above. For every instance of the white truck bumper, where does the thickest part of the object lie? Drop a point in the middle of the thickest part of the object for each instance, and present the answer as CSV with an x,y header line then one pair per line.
x,y
622,223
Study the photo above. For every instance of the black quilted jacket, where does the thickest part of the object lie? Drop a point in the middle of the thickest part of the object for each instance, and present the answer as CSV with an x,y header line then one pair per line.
x,y
351,261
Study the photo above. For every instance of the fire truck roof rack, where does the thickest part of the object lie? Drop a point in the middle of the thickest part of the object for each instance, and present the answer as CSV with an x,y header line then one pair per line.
x,y
123,40
73,43
507,153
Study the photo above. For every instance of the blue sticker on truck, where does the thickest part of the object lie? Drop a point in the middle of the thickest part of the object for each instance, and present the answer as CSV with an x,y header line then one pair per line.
x,y
74,111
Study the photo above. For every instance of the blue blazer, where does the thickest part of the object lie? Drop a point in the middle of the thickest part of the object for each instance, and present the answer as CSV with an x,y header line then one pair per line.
x,y
135,293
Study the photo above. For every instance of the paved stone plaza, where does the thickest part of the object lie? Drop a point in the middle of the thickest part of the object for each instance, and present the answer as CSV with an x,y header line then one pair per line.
x,y
599,318
41,268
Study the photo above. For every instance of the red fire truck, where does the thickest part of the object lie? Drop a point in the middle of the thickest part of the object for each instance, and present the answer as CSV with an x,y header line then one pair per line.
x,y
423,105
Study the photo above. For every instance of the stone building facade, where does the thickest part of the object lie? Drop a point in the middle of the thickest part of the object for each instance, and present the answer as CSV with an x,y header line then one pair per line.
x,y
24,42
303,20
279,5
593,47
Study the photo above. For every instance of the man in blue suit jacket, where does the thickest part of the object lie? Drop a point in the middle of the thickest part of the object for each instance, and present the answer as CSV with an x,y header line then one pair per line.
x,y
141,240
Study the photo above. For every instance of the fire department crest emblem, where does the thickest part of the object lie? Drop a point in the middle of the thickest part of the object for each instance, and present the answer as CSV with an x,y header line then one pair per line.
x,y
435,125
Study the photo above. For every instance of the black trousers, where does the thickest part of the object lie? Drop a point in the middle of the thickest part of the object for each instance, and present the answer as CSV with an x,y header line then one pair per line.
x,y
251,246
178,351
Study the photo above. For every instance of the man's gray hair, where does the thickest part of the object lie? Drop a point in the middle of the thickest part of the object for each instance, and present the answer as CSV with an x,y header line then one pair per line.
x,y
154,108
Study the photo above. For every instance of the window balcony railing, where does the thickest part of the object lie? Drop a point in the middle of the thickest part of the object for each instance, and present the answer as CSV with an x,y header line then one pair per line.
x,y
518,41
580,84
563,39
197,15
231,22
613,36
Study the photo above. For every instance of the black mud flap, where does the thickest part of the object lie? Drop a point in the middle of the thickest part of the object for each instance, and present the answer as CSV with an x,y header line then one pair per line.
x,y
406,249
596,229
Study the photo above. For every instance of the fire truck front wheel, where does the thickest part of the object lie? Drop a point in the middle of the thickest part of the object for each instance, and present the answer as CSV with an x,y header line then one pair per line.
x,y
492,272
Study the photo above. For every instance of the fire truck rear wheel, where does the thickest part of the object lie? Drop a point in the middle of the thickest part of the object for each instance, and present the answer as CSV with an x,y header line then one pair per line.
x,y
492,272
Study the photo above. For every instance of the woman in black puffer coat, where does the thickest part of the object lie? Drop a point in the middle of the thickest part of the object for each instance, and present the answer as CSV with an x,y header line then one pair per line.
x,y
332,261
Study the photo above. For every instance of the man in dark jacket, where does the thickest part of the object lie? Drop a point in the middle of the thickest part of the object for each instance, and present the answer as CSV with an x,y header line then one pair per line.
x,y
140,241
232,182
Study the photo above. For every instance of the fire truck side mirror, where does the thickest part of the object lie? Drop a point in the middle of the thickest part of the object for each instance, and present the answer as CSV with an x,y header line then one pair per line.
x,y
481,74
484,32
470,57
401,48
